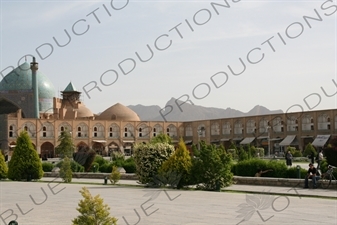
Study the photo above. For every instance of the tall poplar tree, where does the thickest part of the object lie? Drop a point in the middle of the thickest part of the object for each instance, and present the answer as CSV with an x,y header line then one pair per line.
x,y
66,146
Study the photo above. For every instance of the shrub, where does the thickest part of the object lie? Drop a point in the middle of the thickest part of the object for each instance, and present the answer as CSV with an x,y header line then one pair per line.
x,y
211,169
47,166
115,175
100,160
149,158
106,168
118,162
260,151
249,167
25,162
65,171
293,173
93,211
180,163
309,150
94,167
232,153
117,156
129,165
3,167
75,167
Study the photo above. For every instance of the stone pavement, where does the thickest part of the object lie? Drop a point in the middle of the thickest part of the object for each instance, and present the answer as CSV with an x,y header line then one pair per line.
x,y
35,203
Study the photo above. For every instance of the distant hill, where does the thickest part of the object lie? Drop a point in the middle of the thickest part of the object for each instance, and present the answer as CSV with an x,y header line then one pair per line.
x,y
190,112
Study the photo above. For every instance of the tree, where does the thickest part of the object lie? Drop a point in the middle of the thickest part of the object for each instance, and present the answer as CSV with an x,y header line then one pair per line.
x,y
309,150
93,211
85,157
25,162
149,158
65,172
161,138
115,175
3,167
66,146
212,168
179,163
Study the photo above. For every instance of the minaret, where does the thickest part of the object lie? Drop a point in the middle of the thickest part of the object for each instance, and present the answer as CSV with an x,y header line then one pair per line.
x,y
34,66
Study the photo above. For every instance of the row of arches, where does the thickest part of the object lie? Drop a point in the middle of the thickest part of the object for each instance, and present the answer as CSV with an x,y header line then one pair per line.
x,y
277,125
97,130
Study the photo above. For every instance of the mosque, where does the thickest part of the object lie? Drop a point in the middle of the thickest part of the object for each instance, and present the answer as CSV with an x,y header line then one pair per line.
x,y
28,102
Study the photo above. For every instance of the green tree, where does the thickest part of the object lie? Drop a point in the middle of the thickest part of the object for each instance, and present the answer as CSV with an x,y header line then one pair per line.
x,y
65,172
179,163
66,146
3,167
161,138
212,168
309,150
25,162
93,211
149,158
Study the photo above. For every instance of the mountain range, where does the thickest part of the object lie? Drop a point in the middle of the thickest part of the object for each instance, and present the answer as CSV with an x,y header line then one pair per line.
x,y
189,112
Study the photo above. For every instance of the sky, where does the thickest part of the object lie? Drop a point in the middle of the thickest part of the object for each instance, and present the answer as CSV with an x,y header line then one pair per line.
x,y
223,54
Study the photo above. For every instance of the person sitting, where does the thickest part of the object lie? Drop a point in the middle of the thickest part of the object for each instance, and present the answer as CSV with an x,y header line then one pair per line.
x,y
313,174
260,172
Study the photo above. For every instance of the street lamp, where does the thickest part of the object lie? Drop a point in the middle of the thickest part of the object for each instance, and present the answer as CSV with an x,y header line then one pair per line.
x,y
268,127
200,131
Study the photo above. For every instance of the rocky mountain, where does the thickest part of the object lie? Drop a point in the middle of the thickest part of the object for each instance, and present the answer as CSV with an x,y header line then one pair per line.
x,y
189,112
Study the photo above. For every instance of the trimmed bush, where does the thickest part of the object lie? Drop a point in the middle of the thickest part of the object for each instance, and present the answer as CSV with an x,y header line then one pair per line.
x,y
3,167
129,165
331,156
149,158
25,162
106,168
94,167
47,166
75,167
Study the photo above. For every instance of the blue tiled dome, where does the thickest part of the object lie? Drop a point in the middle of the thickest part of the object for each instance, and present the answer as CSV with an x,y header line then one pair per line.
x,y
20,79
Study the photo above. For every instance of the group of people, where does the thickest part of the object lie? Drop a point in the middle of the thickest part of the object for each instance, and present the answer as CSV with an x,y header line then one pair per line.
x,y
312,173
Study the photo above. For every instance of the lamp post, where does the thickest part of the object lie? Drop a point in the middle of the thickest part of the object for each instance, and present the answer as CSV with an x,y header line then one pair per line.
x,y
268,127
200,131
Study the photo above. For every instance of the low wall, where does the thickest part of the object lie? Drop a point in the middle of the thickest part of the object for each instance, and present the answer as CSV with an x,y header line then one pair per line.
x,y
263,181
124,176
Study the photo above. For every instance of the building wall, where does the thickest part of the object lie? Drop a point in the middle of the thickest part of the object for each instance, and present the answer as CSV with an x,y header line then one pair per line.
x,y
305,125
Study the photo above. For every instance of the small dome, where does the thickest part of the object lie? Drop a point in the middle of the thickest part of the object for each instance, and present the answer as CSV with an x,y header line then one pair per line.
x,y
83,111
119,112
20,79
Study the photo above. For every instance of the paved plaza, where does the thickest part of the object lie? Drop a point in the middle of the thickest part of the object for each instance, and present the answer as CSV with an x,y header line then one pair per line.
x,y
35,203
54,202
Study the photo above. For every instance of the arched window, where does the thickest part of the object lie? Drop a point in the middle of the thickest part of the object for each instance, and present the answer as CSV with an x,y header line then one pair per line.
x,y
251,127
98,130
226,128
114,131
82,130
215,128
128,130
189,131
323,122
238,127
157,129
171,130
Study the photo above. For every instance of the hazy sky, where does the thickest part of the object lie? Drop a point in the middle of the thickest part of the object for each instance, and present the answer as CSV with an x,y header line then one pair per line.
x,y
196,50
